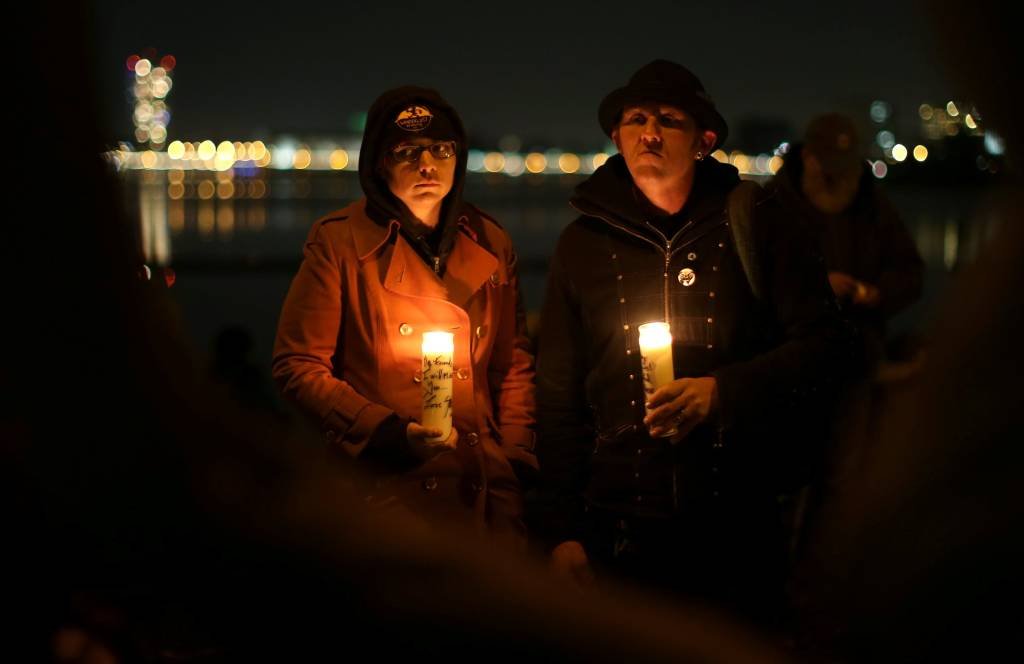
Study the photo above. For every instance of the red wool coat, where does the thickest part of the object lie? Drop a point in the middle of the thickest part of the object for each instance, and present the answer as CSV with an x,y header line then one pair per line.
x,y
348,352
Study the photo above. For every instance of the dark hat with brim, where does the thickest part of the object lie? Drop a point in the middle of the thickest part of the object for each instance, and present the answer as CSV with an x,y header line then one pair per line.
x,y
664,82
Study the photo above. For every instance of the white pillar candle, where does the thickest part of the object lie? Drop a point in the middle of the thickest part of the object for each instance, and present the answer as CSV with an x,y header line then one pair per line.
x,y
438,364
656,359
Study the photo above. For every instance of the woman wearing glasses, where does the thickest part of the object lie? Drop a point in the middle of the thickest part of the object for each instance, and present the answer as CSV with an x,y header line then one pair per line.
x,y
411,257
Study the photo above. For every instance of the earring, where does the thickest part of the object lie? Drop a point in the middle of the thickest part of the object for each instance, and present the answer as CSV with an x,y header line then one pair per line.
x,y
698,156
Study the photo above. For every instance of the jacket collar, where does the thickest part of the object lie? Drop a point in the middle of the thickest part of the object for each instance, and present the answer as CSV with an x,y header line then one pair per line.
x,y
609,194
469,265
368,235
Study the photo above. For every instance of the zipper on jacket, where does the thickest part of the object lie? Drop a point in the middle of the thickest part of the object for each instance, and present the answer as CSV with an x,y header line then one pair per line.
x,y
668,260
668,257
668,242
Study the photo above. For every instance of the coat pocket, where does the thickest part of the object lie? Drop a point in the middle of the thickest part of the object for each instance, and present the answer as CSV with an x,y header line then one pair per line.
x,y
613,437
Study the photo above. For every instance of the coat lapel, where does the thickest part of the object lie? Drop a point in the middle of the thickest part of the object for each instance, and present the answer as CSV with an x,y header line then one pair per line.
x,y
407,274
469,267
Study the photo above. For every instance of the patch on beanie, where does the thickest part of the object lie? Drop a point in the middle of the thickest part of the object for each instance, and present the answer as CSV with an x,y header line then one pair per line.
x,y
414,118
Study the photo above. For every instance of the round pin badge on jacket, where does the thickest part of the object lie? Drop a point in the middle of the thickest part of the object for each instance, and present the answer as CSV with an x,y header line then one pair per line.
x,y
687,277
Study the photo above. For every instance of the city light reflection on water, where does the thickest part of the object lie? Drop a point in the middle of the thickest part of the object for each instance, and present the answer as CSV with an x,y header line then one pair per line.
x,y
236,240
271,212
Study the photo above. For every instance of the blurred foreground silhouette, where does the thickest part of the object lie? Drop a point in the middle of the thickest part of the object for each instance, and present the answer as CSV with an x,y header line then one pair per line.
x,y
151,519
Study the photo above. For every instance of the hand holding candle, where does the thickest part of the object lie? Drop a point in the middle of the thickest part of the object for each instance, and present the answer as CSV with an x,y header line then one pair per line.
x,y
438,363
656,360
682,405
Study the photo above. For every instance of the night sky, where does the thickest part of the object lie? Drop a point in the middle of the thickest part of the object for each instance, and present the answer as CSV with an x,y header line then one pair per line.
x,y
533,69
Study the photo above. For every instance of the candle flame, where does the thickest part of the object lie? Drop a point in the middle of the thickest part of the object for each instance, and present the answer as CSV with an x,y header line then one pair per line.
x,y
655,335
438,342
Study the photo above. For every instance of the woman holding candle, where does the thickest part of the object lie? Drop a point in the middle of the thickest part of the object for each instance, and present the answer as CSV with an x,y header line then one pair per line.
x,y
667,475
403,334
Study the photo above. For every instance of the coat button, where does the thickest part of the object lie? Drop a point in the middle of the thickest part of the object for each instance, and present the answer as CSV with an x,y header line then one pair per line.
x,y
721,245
430,484
472,439
481,330
405,329
462,373
632,376
691,256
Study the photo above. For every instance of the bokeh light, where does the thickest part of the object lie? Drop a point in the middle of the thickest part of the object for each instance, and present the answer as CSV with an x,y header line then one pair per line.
x,y
494,162
176,150
339,159
569,163
536,162
302,159
206,190
206,150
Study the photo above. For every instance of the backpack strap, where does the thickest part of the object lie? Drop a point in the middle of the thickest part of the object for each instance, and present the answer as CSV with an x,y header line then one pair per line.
x,y
740,206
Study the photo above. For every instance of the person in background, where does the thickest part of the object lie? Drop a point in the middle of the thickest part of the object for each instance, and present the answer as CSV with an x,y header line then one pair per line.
x,y
915,560
873,265
875,271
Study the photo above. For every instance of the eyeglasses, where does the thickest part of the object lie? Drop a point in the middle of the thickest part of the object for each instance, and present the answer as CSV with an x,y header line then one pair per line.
x,y
411,153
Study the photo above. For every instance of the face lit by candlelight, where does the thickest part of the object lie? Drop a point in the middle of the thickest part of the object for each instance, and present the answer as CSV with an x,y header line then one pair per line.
x,y
660,142
421,184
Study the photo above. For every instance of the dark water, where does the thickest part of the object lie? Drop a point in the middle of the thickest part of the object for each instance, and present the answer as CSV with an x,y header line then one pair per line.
x,y
236,250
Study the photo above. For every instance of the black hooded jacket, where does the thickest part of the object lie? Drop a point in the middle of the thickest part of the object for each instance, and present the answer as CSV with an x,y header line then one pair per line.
x,y
612,271
382,205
